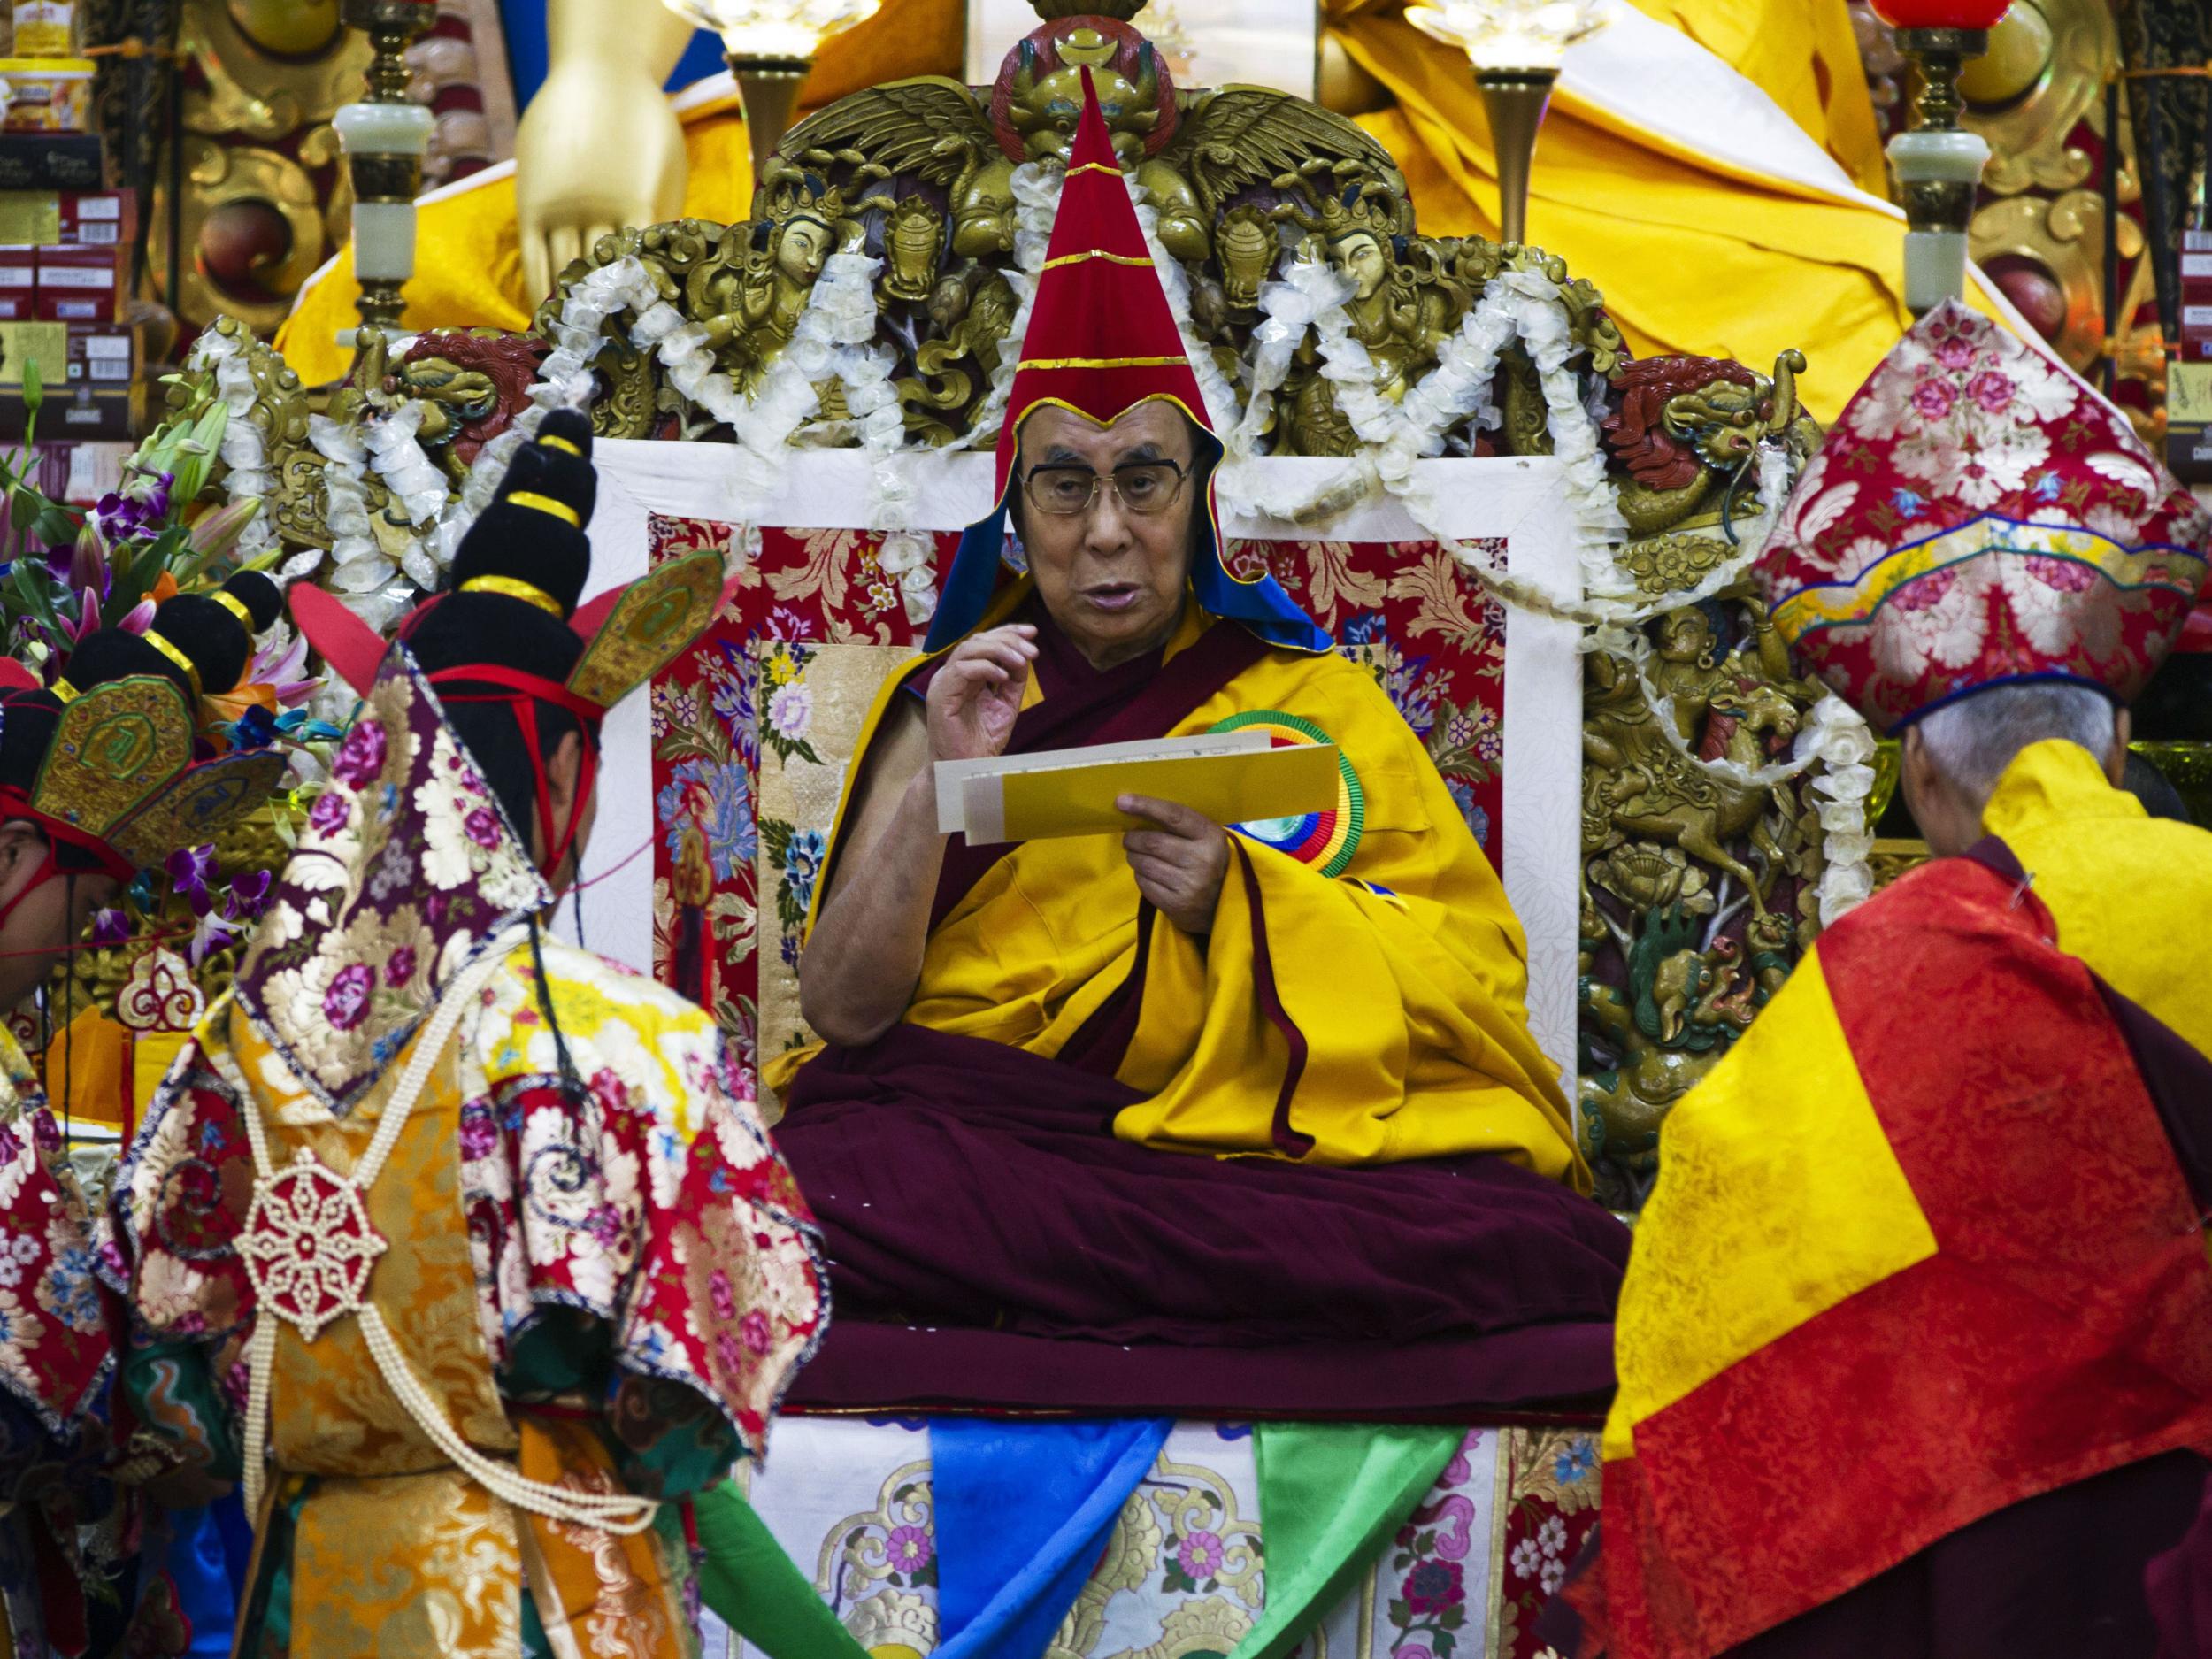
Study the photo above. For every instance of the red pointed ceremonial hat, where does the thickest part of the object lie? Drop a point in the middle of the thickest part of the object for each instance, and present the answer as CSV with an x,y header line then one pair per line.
x,y
1101,339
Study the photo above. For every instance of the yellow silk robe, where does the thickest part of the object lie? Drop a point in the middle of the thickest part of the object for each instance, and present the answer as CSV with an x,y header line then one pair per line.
x,y
2132,893
1695,252
1406,974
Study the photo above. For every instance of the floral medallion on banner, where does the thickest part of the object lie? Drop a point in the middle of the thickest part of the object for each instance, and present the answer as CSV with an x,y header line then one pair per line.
x,y
1183,1571
732,880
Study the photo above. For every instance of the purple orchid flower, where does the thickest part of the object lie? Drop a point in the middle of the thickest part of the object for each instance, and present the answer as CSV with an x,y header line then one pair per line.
x,y
191,868
248,895
210,934
136,510
110,925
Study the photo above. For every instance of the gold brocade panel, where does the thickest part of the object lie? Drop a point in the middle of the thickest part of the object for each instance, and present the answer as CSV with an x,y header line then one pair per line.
x,y
397,1567
331,1412
599,1596
395,1554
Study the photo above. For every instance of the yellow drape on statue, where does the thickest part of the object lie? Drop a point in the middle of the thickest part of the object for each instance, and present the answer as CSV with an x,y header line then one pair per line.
x,y
1695,252
468,264
1804,55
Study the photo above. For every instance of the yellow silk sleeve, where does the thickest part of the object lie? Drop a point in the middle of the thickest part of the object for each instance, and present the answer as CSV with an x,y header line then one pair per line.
x,y
1405,976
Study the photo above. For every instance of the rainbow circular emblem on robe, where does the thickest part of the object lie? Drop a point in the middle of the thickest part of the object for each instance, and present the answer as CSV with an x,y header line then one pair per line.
x,y
1327,838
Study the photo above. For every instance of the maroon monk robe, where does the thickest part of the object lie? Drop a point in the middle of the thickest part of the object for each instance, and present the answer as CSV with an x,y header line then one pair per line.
x,y
966,1184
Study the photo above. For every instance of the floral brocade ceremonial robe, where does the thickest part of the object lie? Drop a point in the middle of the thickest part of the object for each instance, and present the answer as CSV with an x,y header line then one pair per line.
x,y
595,1264
56,1354
1360,999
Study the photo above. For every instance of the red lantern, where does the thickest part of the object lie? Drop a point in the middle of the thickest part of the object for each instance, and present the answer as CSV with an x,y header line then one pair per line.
x,y
1941,14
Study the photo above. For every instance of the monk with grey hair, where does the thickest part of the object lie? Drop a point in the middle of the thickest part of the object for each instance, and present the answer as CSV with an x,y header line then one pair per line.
x,y
1914,1345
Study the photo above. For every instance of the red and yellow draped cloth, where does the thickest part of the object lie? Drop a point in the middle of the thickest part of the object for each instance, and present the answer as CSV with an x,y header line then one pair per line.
x,y
1878,1296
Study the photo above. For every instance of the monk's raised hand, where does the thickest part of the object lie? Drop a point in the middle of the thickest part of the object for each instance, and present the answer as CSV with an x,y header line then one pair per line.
x,y
976,695
1180,864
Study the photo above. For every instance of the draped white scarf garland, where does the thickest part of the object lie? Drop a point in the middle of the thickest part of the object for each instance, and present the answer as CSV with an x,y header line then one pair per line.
x,y
835,338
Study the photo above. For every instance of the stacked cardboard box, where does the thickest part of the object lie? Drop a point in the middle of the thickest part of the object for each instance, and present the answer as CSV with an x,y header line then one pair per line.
x,y
2189,378
62,284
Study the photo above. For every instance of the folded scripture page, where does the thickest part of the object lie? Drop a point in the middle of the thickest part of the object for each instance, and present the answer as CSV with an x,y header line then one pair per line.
x,y
1232,778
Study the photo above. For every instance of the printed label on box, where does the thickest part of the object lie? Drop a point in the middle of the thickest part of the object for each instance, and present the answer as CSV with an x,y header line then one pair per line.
x,y
102,276
2189,394
46,344
30,216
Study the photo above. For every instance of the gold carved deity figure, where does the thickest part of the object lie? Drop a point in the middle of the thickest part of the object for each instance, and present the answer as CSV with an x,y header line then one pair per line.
x,y
1353,233
761,301
1682,939
1742,708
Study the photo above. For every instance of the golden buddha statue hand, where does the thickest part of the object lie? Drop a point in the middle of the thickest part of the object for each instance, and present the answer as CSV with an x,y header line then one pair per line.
x,y
599,146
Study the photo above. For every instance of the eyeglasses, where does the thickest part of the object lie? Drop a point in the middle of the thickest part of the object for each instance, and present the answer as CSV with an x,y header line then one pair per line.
x,y
1145,487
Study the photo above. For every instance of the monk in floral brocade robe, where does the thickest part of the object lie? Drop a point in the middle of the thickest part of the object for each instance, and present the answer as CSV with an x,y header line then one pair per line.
x,y
1915,1345
1024,1038
78,820
479,1233
55,1356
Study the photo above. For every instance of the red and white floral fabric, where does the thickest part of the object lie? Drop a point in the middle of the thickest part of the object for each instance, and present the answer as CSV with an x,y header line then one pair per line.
x,y
1977,515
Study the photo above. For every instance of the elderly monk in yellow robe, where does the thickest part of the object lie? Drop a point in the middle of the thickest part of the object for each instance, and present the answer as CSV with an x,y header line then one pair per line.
x,y
1712,166
1024,1036
1916,1349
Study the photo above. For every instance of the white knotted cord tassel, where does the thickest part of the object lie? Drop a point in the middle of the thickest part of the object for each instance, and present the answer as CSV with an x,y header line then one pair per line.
x,y
269,1249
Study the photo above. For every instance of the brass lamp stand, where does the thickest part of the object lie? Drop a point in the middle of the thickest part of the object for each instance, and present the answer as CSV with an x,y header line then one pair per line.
x,y
770,46
384,137
1938,163
1515,100
1514,47
768,93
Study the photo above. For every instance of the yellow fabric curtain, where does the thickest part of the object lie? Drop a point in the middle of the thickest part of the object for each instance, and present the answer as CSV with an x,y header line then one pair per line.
x,y
1804,55
469,265
1692,255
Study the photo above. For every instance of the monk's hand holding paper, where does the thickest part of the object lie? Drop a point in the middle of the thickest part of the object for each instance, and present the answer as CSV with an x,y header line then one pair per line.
x,y
1178,866
975,697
